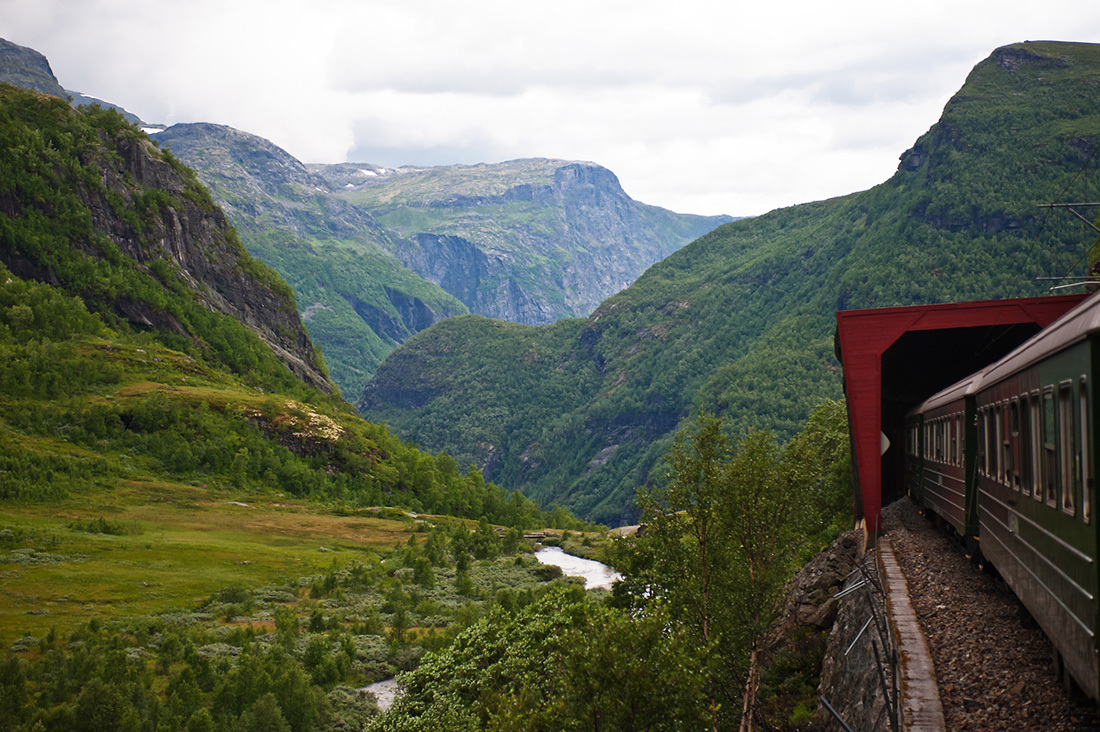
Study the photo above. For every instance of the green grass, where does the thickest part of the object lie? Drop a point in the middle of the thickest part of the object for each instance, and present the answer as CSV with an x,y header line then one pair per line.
x,y
185,546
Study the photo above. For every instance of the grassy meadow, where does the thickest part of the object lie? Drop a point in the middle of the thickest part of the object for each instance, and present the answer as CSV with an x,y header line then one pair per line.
x,y
176,546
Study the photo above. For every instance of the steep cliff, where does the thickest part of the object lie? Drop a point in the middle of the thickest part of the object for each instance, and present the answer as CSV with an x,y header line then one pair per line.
x,y
150,244
530,241
357,299
26,68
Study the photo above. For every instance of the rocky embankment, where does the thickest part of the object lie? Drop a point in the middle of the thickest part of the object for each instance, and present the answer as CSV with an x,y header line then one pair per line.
x,y
993,665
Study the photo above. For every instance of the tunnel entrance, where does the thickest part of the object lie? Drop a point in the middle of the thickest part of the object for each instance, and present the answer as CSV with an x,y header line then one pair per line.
x,y
894,358
921,363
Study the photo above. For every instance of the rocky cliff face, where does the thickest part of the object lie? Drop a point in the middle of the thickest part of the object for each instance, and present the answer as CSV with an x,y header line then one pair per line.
x,y
152,209
28,69
531,241
198,239
483,282
358,300
261,186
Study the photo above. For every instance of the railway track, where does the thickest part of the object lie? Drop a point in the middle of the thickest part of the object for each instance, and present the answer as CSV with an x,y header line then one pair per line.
x,y
993,665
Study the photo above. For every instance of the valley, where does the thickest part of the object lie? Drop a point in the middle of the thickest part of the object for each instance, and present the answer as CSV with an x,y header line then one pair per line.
x,y
740,322
376,258
199,532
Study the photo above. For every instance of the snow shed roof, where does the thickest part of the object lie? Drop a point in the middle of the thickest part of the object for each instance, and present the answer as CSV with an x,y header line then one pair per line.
x,y
894,358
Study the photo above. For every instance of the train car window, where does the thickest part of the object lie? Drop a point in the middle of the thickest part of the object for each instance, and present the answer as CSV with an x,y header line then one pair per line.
x,y
1049,469
1027,475
943,440
990,443
1085,453
953,449
1067,446
998,439
939,439
958,440
1036,447
1012,445
982,468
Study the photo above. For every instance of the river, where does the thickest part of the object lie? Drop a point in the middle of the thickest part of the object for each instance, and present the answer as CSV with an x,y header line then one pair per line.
x,y
595,574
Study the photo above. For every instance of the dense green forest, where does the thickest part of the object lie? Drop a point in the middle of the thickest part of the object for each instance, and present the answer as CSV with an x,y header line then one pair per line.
x,y
679,645
741,323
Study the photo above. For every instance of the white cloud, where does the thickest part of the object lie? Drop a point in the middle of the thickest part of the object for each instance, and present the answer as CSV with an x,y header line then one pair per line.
x,y
695,105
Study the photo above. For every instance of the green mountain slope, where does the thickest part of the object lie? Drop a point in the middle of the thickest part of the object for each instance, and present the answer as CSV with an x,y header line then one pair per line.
x,y
140,342
357,300
741,320
530,241
377,254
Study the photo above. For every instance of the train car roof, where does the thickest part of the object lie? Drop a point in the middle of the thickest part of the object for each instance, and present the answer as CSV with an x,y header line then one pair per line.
x,y
953,393
1067,330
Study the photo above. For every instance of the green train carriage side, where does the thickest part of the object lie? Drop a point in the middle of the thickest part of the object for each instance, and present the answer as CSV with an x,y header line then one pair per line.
x,y
1030,435
1036,438
940,449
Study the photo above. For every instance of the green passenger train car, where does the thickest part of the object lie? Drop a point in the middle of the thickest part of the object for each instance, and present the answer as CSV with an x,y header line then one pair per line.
x,y
940,445
1007,459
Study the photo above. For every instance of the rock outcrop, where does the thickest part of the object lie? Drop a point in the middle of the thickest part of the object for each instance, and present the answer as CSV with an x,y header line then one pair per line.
x,y
153,209
28,69
531,241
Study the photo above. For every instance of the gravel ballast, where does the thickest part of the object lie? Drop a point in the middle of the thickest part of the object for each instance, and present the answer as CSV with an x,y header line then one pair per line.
x,y
993,664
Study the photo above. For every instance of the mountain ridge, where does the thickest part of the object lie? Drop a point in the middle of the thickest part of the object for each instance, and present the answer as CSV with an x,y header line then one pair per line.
x,y
508,240
740,321
561,232
533,241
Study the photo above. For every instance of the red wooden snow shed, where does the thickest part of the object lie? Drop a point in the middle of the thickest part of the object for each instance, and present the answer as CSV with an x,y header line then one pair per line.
x,y
895,358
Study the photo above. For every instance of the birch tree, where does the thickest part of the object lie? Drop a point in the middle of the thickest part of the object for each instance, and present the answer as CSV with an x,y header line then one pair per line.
x,y
718,545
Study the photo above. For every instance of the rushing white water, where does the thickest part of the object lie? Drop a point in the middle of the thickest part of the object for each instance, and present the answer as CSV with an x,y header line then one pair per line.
x,y
385,692
595,574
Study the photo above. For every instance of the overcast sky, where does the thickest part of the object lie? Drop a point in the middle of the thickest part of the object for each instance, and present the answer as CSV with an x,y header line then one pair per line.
x,y
700,107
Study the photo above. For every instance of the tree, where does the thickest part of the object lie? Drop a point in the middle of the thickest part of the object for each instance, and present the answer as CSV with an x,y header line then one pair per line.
x,y
763,521
718,545
693,559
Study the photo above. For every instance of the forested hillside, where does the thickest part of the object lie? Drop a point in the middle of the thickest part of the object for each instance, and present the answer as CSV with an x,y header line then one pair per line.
x,y
358,301
134,322
741,321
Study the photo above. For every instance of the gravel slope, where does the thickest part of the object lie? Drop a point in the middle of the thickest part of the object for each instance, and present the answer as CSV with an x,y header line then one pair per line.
x,y
992,662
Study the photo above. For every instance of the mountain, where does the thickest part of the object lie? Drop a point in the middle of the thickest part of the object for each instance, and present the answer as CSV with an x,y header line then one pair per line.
x,y
140,344
99,210
740,322
377,254
357,299
24,67
529,241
